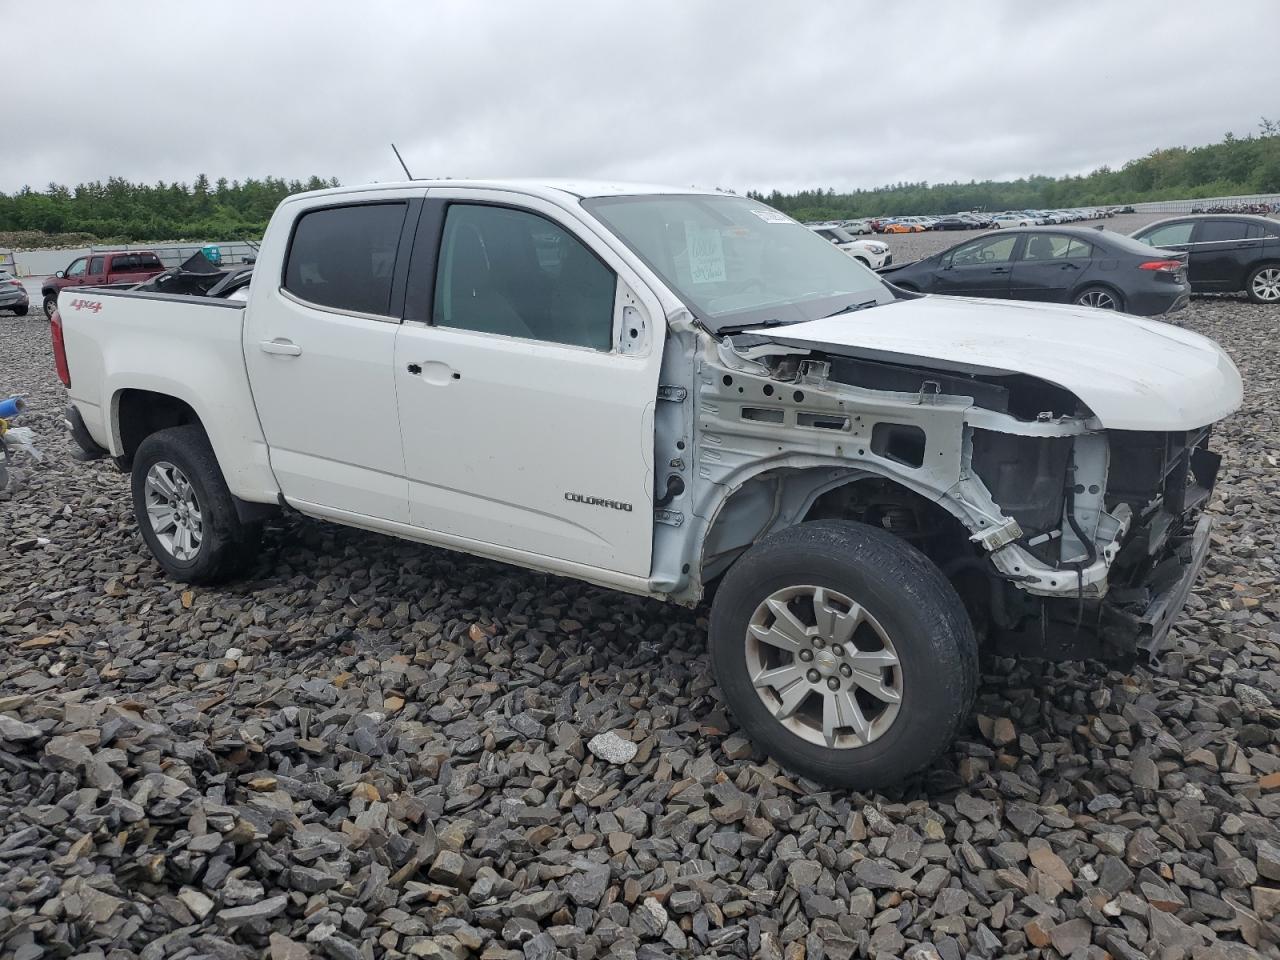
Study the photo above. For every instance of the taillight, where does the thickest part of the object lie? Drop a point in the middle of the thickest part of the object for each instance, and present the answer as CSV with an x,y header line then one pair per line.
x,y
1165,266
59,349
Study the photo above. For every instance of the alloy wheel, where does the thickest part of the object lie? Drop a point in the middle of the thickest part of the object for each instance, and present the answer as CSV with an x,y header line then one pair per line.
x,y
1099,299
174,511
1266,284
824,667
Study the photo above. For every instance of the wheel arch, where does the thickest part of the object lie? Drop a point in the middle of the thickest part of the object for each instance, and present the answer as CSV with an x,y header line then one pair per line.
x,y
777,497
1254,267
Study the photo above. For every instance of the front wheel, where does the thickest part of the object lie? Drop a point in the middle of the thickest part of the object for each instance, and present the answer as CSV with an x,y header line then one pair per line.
x,y
1263,285
50,305
185,511
19,311
844,653
1100,298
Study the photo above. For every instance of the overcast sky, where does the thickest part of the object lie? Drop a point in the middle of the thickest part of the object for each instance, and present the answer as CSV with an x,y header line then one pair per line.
x,y
741,95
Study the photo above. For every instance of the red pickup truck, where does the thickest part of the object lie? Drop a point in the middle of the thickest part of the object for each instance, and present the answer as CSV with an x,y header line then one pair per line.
x,y
100,269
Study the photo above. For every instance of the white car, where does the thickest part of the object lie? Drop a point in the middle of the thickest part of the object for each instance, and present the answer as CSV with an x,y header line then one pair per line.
x,y
870,253
1012,220
660,390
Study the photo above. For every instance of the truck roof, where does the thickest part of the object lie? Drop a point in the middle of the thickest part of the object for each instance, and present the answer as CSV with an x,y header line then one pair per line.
x,y
537,187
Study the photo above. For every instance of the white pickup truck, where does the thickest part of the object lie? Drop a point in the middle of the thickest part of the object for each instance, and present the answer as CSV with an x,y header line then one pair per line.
x,y
671,393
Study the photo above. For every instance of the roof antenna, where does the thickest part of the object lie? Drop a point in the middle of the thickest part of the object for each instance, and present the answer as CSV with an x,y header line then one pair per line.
x,y
402,163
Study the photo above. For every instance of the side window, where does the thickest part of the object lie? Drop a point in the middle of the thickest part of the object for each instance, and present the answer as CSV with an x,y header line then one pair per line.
x,y
124,262
826,235
77,267
1046,246
149,261
1222,231
97,265
1170,233
987,250
517,274
344,257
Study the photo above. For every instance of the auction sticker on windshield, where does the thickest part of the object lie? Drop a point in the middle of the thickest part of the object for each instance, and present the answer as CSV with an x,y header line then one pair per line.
x,y
771,216
706,254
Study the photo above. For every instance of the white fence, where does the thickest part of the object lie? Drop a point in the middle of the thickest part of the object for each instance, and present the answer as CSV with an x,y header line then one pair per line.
x,y
43,263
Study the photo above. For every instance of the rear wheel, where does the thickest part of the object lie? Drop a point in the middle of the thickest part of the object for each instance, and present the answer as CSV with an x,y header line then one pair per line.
x,y
50,305
1263,285
843,653
185,511
1101,298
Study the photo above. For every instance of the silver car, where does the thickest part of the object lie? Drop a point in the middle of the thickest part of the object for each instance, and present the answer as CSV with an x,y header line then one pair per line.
x,y
13,295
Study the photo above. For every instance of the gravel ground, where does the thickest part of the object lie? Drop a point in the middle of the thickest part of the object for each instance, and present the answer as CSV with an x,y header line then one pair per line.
x,y
380,749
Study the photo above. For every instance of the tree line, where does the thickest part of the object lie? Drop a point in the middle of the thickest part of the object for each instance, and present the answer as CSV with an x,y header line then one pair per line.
x,y
122,210
1235,166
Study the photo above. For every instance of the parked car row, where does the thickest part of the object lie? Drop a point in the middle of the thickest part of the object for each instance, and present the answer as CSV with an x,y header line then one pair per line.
x,y
975,220
13,295
1150,273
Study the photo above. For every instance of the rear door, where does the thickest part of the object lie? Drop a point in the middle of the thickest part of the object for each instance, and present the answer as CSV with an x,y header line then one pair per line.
x,y
1221,249
527,373
319,345
1050,266
120,267
979,268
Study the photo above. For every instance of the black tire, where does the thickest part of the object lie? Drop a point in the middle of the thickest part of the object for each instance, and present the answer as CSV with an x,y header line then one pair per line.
x,y
1255,295
913,602
19,311
1082,296
227,546
50,305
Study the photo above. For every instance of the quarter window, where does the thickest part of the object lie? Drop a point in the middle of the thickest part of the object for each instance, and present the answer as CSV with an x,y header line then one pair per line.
x,y
344,257
514,273
1170,233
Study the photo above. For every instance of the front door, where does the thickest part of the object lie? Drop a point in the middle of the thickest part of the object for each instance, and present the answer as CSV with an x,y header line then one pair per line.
x,y
527,373
1050,266
980,268
319,345
76,271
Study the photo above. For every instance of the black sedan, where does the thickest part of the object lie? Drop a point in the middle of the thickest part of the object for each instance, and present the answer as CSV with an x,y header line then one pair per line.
x,y
952,222
1227,252
1095,268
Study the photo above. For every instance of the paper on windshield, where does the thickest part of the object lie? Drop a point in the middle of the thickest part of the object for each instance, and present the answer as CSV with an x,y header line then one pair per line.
x,y
771,216
705,249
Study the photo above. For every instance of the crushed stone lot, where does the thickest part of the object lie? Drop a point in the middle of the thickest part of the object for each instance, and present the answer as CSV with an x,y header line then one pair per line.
x,y
379,749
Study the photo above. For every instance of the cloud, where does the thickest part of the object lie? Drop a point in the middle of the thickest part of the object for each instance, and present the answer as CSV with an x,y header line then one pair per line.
x,y
745,95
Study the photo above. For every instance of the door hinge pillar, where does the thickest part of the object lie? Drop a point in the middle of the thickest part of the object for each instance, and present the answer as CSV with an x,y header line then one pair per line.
x,y
672,393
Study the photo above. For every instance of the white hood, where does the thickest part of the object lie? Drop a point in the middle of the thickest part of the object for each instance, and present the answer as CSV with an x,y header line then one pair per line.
x,y
1134,374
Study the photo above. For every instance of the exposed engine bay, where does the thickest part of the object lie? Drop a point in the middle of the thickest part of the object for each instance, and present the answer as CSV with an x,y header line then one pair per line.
x,y
1064,539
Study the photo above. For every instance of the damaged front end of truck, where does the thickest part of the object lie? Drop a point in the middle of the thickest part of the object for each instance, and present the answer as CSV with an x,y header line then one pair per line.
x,y
1065,538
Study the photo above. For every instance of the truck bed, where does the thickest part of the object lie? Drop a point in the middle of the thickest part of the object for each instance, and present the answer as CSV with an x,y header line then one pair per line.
x,y
183,346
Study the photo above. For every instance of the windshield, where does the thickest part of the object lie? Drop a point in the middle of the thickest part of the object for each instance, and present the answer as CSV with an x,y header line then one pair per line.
x,y
735,262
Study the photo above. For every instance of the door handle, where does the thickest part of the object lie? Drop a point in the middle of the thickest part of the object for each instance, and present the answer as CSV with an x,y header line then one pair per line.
x,y
280,347
999,269
433,371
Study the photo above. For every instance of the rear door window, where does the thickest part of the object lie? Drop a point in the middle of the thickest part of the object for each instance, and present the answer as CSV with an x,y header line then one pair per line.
x,y
97,265
1222,231
344,257
124,263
